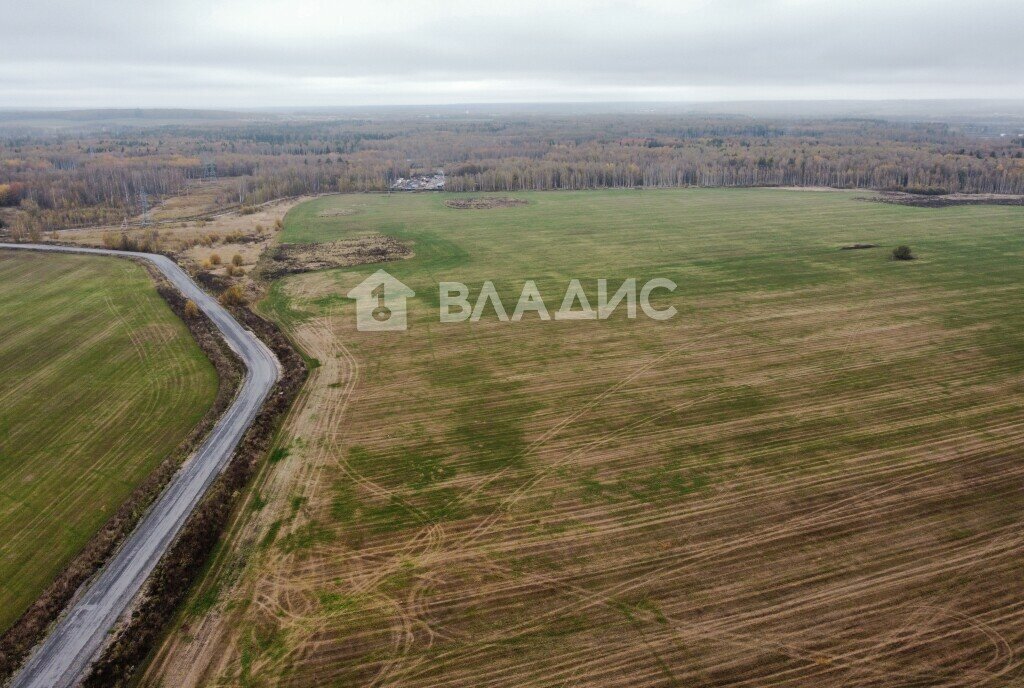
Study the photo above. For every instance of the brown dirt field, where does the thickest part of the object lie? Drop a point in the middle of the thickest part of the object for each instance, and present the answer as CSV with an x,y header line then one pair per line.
x,y
946,200
484,203
855,569
295,258
805,188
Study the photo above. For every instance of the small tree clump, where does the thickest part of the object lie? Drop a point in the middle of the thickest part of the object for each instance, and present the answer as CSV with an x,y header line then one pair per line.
x,y
236,260
232,296
191,309
147,242
215,259
902,253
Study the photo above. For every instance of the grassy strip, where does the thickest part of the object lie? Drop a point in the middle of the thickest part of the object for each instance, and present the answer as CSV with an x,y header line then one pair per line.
x,y
31,627
169,584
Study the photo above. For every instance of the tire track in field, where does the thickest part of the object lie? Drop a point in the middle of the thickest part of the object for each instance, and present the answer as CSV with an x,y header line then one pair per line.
x,y
775,588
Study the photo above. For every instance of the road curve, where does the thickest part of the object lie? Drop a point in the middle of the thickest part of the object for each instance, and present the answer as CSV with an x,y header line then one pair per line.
x,y
60,661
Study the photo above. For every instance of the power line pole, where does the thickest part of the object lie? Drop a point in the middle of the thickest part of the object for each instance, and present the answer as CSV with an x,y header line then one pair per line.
x,y
144,203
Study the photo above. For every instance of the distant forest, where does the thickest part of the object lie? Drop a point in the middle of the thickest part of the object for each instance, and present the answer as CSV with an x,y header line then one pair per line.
x,y
62,178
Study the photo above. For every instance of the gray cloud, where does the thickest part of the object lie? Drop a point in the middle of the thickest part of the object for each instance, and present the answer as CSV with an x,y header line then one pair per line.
x,y
316,52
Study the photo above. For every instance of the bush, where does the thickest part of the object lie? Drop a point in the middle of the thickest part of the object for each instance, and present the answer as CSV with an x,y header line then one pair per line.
x,y
191,309
236,260
146,242
902,253
215,259
278,224
232,296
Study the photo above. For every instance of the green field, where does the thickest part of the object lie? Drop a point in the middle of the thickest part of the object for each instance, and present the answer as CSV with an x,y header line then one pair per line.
x,y
709,241
810,476
99,382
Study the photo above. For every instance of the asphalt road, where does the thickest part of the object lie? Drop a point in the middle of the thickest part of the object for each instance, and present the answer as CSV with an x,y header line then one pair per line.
x,y
60,661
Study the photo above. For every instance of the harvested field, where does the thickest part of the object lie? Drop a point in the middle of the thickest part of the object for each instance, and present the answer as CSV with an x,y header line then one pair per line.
x,y
484,203
101,382
808,477
286,259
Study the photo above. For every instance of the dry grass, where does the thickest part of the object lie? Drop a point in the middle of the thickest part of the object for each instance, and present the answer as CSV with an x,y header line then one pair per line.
x,y
200,198
194,240
810,477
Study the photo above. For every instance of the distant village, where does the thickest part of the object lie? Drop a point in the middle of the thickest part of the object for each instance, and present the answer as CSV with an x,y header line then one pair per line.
x,y
422,182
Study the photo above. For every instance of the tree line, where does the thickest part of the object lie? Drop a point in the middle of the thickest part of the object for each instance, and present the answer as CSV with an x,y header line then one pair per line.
x,y
88,177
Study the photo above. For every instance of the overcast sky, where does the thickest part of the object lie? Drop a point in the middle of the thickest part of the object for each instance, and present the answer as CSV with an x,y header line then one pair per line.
x,y
252,53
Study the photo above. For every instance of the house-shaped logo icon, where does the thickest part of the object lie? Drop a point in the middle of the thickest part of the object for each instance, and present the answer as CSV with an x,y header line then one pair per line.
x,y
380,303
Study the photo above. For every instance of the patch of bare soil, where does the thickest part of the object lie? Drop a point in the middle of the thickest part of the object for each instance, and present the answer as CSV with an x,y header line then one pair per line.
x,y
484,203
858,245
339,212
286,259
805,188
945,200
